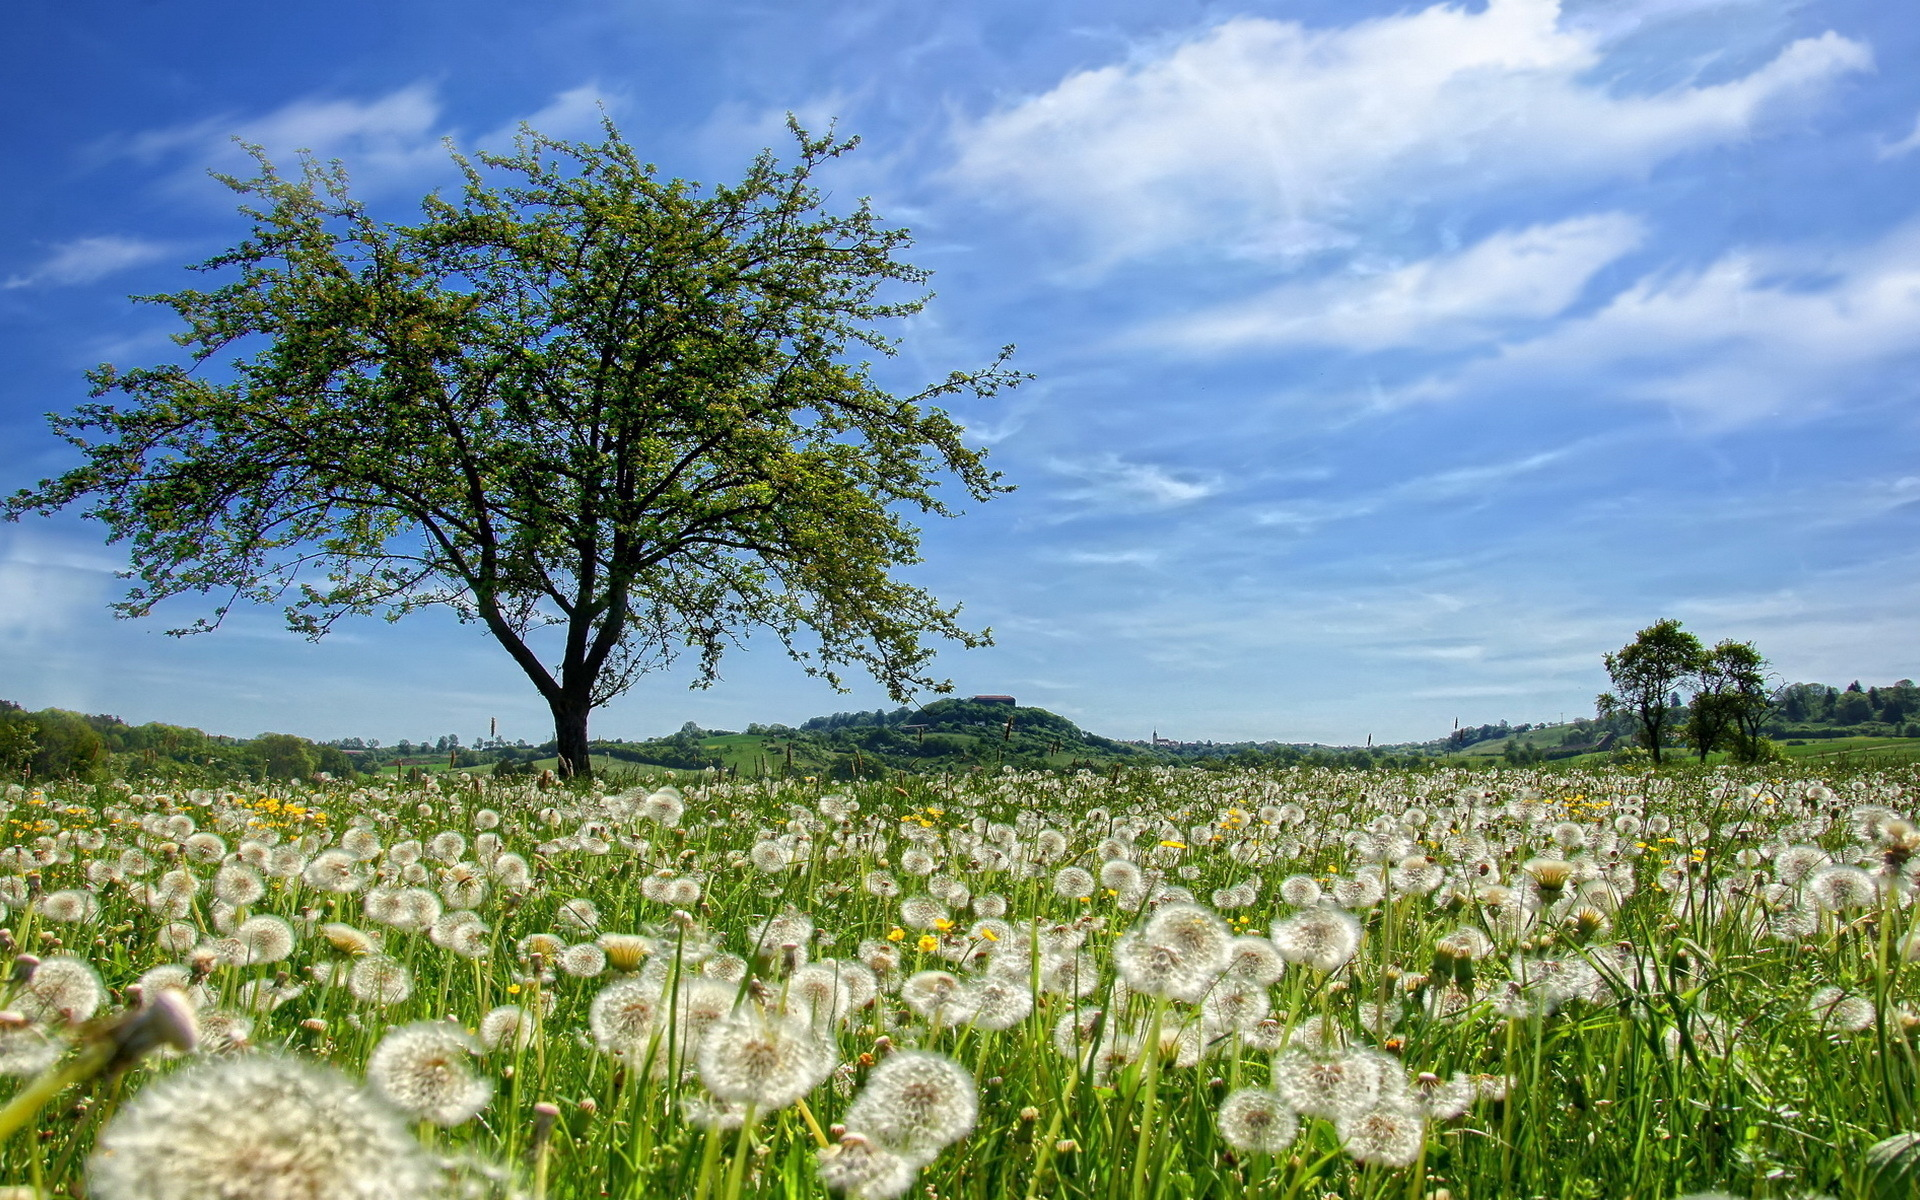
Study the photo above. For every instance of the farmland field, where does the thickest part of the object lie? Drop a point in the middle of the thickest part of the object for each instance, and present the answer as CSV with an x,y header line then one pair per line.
x,y
1163,983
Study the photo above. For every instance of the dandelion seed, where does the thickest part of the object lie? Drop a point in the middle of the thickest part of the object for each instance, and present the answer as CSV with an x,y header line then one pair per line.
x,y
584,961
1443,1100
623,1016
1321,938
1387,1135
333,871
265,939
1073,883
262,1128
205,848
1120,875
915,1103
222,1032
580,913
1327,1085
922,912
377,979
28,1049
1257,1121
422,1070
763,1060
863,1170
238,885
1300,891
1198,936
506,1027
991,1004
61,990
71,906
816,992
1839,1012
1839,888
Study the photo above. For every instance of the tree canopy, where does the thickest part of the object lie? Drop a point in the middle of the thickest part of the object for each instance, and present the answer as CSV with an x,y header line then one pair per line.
x,y
1645,673
612,418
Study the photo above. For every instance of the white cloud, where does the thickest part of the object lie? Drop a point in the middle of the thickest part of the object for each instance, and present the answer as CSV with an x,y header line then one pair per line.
x,y
1476,482
575,113
389,141
1113,558
1753,334
45,583
86,259
1905,145
1268,137
1473,294
1111,482
383,140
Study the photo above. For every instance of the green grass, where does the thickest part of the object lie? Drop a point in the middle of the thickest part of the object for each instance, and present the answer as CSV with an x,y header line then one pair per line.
x,y
1679,1055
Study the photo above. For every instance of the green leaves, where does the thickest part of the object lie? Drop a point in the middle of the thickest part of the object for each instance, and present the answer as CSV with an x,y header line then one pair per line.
x,y
574,397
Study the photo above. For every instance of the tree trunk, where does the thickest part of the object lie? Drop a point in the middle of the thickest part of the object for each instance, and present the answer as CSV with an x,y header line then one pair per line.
x,y
570,734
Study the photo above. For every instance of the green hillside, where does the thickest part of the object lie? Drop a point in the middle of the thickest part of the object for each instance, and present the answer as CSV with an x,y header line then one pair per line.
x,y
947,735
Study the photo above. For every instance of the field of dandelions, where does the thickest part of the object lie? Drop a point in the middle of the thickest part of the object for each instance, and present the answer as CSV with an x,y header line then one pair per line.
x,y
1171,983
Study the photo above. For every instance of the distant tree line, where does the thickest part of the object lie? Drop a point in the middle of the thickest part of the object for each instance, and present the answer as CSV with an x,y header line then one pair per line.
x,y
52,743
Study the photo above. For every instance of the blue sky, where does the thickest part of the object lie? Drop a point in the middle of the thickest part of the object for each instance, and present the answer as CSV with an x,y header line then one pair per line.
x,y
1392,362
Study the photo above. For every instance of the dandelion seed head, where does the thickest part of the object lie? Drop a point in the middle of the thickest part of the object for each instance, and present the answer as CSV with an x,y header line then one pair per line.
x,y
70,906
1257,1121
265,938
1320,938
762,1059
258,1127
862,1170
62,990
506,1027
1389,1134
1837,888
377,979
1300,891
624,1014
1327,1084
423,1070
238,884
915,1102
1073,883
584,961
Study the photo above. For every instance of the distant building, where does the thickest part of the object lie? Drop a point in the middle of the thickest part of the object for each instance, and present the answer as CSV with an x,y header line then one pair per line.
x,y
1006,700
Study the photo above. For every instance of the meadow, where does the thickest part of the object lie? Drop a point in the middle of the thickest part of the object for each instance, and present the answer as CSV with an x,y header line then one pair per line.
x,y
1159,983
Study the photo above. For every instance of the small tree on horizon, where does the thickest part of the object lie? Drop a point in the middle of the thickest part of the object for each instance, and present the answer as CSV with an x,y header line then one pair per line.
x,y
1731,699
1645,674
612,419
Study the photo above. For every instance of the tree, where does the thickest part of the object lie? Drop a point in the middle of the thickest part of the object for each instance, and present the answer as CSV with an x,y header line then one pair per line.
x,y
611,418
1644,674
1731,697
283,756
18,742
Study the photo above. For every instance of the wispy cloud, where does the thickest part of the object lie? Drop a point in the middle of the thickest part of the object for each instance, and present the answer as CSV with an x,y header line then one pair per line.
x,y
84,260
1524,275
1113,558
390,141
45,584
1110,482
383,140
1480,481
1756,334
1266,137
1905,145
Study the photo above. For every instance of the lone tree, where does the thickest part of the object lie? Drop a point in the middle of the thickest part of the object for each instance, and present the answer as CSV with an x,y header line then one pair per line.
x,y
612,418
1645,673
1736,695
